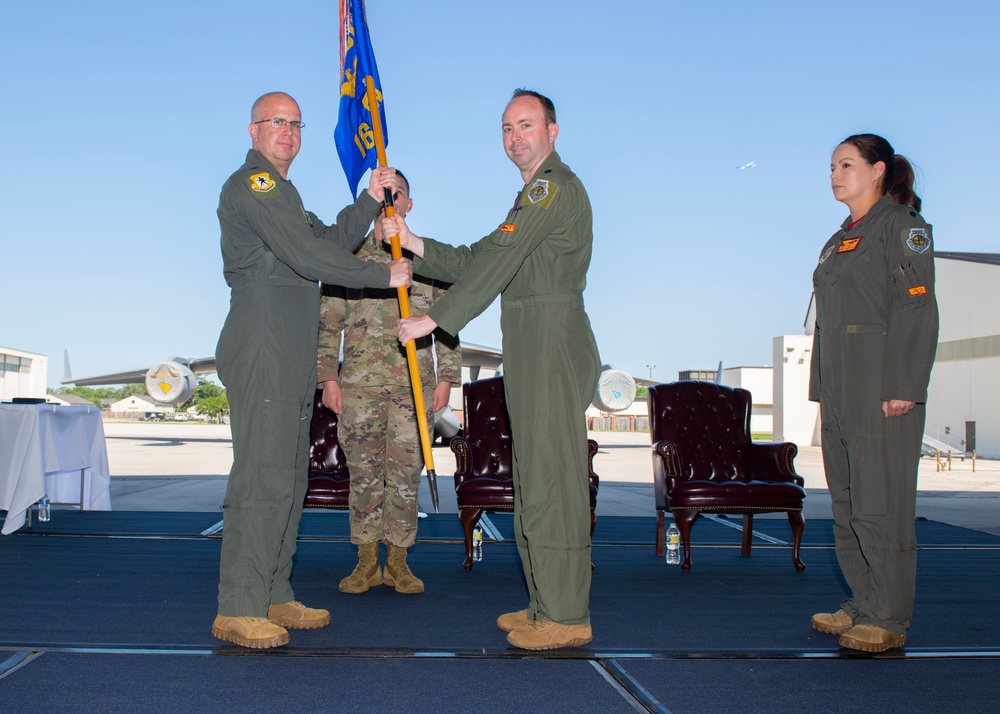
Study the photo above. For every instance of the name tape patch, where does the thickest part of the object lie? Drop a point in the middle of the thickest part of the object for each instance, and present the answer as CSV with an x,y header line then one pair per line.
x,y
849,244
919,290
508,227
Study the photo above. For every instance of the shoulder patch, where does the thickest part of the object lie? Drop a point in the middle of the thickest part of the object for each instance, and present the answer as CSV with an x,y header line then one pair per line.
x,y
262,182
541,192
918,240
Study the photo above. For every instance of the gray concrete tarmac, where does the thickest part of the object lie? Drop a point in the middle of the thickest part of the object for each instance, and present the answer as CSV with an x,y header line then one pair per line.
x,y
184,467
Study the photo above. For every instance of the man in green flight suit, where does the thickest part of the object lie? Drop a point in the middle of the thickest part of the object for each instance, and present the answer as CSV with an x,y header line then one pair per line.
x,y
537,262
273,253
374,398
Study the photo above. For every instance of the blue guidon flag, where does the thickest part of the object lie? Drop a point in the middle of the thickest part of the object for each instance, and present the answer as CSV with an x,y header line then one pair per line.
x,y
354,134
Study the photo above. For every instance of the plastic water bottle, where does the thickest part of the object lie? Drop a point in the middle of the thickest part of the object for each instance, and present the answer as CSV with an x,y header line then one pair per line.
x,y
673,545
477,543
44,509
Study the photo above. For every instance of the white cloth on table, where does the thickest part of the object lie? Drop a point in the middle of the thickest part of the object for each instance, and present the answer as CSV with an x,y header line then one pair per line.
x,y
46,448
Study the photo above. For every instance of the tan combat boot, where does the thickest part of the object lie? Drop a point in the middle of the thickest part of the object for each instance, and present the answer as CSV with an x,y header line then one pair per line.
x,y
510,621
548,635
257,633
296,616
397,572
367,572
832,623
871,638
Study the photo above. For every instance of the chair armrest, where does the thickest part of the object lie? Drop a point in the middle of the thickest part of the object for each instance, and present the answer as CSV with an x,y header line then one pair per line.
x,y
591,453
665,472
463,459
773,462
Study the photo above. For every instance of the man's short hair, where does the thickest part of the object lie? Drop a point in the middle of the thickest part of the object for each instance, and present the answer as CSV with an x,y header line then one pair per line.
x,y
548,108
405,180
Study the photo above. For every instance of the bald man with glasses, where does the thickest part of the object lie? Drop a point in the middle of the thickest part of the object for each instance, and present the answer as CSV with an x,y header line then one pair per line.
x,y
274,255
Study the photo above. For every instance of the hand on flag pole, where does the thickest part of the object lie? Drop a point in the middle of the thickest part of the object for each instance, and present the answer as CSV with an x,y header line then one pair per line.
x,y
361,143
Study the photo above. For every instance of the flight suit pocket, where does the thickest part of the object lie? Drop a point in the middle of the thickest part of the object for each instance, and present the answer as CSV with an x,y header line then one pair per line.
x,y
278,438
870,471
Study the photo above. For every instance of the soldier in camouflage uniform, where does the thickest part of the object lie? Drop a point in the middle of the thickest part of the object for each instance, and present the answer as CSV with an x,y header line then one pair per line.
x,y
374,398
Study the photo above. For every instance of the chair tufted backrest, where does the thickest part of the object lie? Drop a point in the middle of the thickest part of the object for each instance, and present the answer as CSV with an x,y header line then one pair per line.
x,y
487,428
709,425
325,454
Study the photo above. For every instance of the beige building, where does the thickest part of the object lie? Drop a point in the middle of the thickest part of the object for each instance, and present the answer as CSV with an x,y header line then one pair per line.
x,y
139,406
22,374
963,399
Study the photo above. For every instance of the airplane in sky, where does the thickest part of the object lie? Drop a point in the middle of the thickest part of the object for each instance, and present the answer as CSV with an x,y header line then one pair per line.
x,y
747,166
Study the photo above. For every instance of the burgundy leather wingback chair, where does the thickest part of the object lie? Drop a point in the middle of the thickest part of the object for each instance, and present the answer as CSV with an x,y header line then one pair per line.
x,y
484,459
329,479
704,460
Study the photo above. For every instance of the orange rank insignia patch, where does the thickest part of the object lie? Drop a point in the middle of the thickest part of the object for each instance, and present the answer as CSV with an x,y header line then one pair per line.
x,y
262,182
508,227
919,290
849,244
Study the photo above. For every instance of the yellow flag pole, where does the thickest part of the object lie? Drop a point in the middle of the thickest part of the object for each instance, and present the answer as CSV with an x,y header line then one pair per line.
x,y
404,307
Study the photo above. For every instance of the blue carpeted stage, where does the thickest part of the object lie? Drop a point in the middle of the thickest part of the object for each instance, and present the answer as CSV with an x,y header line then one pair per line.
x,y
112,612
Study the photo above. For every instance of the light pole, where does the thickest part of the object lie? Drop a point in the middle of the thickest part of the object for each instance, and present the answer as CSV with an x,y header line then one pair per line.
x,y
650,367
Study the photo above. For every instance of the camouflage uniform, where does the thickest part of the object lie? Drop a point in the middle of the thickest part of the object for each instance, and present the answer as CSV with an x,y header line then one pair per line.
x,y
378,425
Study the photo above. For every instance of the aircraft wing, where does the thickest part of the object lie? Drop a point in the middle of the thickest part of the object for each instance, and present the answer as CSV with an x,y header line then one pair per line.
x,y
203,365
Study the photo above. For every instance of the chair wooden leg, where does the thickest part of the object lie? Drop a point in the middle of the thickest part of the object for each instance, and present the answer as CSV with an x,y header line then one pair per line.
x,y
684,520
660,534
747,534
797,521
469,518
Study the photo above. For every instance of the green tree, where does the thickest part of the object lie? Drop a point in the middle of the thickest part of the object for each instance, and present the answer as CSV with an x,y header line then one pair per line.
x,y
206,389
640,391
129,390
88,393
214,407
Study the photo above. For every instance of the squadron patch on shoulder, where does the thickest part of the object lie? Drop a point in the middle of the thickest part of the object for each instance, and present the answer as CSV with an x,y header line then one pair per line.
x,y
541,192
826,254
849,244
918,240
262,182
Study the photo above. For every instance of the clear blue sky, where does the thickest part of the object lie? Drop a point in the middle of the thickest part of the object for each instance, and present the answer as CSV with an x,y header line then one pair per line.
x,y
123,119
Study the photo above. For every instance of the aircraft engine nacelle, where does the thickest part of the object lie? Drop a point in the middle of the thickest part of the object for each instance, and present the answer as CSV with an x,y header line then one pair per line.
x,y
170,383
615,390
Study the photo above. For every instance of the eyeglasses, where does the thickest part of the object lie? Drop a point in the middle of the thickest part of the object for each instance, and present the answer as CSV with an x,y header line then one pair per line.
x,y
279,123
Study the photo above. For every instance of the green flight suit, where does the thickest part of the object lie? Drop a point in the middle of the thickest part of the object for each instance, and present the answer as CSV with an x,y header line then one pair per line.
x,y
875,339
378,426
537,262
274,252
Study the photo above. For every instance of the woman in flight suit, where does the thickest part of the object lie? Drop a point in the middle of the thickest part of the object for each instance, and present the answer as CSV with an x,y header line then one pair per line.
x,y
873,347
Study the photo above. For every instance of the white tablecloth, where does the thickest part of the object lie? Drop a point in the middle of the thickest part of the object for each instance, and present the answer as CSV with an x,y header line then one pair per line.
x,y
46,448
